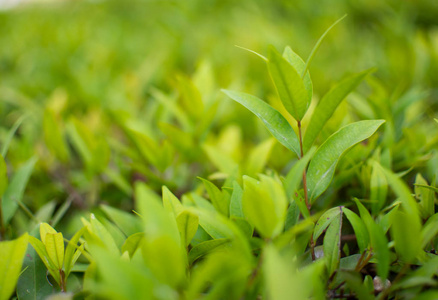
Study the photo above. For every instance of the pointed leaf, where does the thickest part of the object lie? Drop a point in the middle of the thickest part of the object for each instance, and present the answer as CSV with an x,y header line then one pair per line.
x,y
298,63
328,104
332,243
271,118
205,248
360,230
322,167
55,248
325,220
379,189
290,86
219,199
406,233
187,226
44,230
171,202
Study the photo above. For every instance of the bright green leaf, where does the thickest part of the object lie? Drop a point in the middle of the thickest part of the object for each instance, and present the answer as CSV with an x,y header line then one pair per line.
x,y
332,243
54,243
360,230
328,104
406,233
271,118
290,86
325,220
205,248
379,189
11,260
187,226
322,167
297,62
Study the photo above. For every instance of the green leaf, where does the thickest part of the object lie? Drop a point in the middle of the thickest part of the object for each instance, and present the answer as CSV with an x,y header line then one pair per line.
x,y
32,283
332,243
15,190
297,62
3,176
406,233
97,234
171,202
71,250
11,134
323,165
44,230
360,230
429,230
11,260
295,175
132,243
219,199
290,86
426,197
127,222
236,201
379,242
264,205
253,52
53,137
42,253
281,278
325,220
206,247
187,226
258,157
273,120
54,243
379,189
328,104
221,160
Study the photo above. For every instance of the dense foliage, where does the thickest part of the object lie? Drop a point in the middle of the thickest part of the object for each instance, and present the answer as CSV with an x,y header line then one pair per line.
x,y
128,170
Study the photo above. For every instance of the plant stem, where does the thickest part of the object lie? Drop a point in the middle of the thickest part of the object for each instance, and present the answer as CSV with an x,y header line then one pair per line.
x,y
306,196
63,283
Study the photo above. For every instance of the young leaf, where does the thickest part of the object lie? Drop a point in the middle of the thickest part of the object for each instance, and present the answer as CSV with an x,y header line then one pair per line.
x,y
290,86
328,104
264,204
11,260
332,243
325,220
271,118
71,250
236,201
54,243
15,189
127,222
132,243
322,167
297,62
171,202
187,226
44,230
426,197
258,157
219,199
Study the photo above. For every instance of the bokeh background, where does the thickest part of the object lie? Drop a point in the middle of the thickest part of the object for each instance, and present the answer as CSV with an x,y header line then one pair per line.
x,y
109,92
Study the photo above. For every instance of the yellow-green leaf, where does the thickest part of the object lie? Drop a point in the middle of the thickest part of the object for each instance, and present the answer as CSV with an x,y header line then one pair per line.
x,y
55,248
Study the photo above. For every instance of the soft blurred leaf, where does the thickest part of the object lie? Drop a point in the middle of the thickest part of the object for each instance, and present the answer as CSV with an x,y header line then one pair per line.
x,y
128,223
236,201
258,157
132,243
220,200
72,251
171,202
323,164
426,197
205,248
290,86
3,176
53,137
187,226
15,190
406,233
264,205
11,260
271,118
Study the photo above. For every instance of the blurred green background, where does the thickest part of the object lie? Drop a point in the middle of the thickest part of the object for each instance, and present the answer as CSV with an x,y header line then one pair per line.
x,y
118,91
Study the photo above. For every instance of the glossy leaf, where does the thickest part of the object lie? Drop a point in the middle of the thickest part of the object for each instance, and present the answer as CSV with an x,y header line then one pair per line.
x,y
297,62
328,104
11,260
290,86
323,164
264,205
325,220
274,121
